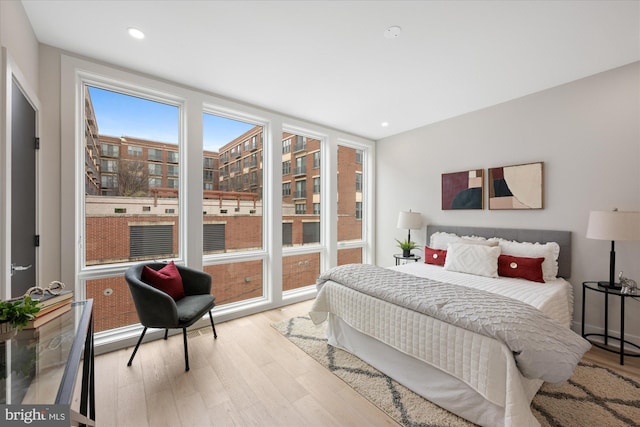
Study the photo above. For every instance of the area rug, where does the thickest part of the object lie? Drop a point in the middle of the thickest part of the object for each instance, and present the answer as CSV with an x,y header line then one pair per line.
x,y
593,396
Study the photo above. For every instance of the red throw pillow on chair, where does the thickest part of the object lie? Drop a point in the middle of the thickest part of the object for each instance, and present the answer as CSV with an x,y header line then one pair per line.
x,y
167,279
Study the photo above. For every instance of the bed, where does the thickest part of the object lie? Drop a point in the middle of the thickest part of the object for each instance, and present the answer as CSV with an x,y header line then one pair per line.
x,y
451,359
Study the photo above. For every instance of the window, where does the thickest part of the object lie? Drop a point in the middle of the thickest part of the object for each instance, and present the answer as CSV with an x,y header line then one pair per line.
x,y
350,194
233,222
134,151
154,154
300,144
230,226
155,169
301,189
286,167
172,170
109,181
299,269
111,239
109,150
107,165
286,189
301,165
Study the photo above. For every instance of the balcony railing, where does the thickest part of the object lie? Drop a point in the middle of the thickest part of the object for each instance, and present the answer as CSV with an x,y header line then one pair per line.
x,y
300,194
300,170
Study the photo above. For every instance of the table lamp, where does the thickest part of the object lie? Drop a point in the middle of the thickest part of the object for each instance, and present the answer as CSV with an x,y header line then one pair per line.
x,y
410,220
613,225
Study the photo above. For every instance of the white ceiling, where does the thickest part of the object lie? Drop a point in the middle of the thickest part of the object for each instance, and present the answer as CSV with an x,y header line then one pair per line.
x,y
328,61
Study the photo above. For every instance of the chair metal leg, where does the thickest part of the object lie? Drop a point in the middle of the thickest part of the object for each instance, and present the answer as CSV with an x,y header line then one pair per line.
x,y
166,332
186,351
215,335
137,345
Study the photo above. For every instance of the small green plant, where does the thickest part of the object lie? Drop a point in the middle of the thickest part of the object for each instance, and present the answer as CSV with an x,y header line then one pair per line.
x,y
18,312
406,245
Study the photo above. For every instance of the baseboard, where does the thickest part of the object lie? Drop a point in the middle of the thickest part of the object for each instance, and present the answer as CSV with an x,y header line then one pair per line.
x,y
590,329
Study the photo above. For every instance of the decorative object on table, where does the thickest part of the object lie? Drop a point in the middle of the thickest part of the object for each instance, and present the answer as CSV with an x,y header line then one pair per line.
x,y
409,220
516,187
628,286
463,190
613,225
38,292
49,315
406,246
15,314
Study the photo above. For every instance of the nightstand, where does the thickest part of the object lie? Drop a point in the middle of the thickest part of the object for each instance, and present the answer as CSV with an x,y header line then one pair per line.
x,y
404,259
593,286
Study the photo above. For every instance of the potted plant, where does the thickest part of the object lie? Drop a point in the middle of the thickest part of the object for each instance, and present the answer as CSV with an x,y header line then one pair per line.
x,y
406,246
15,314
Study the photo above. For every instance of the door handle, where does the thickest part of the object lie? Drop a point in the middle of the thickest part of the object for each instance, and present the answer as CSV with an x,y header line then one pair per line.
x,y
19,268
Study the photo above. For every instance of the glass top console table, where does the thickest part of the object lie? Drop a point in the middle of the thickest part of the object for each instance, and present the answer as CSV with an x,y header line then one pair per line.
x,y
40,366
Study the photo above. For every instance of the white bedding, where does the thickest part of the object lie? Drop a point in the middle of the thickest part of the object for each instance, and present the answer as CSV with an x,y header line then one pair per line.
x,y
554,298
482,364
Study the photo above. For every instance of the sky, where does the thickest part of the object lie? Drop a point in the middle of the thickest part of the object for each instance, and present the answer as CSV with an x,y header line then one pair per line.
x,y
124,115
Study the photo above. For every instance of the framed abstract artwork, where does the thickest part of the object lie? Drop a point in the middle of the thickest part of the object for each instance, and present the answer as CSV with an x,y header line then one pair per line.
x,y
516,187
463,190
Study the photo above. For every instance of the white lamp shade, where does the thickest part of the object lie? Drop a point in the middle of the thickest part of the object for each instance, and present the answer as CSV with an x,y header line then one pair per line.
x,y
410,220
614,225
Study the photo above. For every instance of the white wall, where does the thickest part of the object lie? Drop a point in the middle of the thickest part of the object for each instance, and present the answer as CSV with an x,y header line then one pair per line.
x,y
18,37
586,132
19,60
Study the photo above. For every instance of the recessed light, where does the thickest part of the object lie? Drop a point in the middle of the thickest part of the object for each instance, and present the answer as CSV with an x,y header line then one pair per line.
x,y
135,33
384,124
392,32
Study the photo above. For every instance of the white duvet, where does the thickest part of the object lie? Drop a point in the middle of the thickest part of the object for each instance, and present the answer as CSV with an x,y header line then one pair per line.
x,y
483,363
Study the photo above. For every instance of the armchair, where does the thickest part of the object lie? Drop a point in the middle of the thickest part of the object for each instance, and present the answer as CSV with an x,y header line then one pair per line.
x,y
157,309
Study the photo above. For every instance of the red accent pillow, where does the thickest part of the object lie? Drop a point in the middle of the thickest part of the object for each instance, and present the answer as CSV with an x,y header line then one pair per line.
x,y
434,256
167,279
521,267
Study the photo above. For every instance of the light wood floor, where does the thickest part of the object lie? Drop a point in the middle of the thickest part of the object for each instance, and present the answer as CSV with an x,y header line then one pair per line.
x,y
249,376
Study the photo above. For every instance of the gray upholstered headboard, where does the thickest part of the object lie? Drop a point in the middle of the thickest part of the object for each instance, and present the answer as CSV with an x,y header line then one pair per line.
x,y
563,238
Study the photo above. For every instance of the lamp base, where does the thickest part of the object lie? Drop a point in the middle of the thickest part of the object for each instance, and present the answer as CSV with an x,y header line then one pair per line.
x,y
608,285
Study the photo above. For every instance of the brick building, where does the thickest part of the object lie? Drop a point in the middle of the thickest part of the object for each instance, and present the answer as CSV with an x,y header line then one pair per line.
x,y
131,211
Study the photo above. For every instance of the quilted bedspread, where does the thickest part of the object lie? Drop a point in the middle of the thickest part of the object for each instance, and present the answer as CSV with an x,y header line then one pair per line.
x,y
542,347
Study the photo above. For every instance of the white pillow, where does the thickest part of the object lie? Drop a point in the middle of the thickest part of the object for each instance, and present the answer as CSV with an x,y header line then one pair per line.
x,y
549,251
440,240
475,259
475,240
